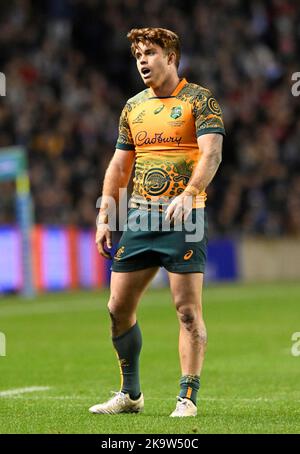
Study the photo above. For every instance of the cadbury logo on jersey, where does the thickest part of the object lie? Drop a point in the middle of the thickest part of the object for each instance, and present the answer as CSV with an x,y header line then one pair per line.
x,y
142,138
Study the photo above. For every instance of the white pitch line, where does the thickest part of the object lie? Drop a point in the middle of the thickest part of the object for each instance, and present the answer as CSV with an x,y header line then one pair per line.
x,y
17,391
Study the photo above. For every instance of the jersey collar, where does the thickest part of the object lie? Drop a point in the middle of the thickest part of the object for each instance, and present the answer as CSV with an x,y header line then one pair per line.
x,y
179,87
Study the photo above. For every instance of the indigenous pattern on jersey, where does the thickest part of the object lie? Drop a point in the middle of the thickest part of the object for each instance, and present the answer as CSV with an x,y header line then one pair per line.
x,y
163,132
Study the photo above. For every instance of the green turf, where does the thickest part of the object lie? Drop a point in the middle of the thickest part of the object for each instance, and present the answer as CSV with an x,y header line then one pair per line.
x,y
250,381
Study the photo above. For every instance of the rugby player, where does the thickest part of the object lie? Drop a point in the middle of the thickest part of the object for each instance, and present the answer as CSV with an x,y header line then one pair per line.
x,y
171,133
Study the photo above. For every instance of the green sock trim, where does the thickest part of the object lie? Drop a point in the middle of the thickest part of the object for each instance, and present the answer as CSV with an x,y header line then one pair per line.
x,y
189,387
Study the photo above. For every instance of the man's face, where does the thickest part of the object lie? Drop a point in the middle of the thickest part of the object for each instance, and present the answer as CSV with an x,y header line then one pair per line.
x,y
152,64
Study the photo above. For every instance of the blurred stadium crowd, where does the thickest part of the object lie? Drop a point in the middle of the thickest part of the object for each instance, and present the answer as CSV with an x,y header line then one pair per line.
x,y
69,72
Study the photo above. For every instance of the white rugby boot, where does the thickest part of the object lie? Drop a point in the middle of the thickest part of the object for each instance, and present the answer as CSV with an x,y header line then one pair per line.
x,y
119,403
184,407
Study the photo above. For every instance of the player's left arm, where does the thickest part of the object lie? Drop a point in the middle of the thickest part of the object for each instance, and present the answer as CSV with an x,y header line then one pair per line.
x,y
211,147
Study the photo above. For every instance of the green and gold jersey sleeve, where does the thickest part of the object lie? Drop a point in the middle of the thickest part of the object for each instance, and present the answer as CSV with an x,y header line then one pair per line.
x,y
208,114
125,140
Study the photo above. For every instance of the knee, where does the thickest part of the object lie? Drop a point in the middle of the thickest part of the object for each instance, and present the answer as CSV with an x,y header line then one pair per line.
x,y
187,315
191,320
115,318
115,308
118,310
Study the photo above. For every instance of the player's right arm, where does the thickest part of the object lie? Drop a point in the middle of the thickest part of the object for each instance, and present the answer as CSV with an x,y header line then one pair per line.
x,y
117,176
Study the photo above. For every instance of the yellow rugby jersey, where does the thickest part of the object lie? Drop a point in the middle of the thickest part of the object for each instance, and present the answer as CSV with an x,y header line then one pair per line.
x,y
163,132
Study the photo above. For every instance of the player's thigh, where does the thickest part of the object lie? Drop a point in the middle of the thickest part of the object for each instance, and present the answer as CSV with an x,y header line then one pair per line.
x,y
127,288
186,290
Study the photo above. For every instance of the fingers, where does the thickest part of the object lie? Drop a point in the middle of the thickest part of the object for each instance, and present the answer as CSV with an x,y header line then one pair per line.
x,y
102,238
187,213
108,239
170,211
174,212
102,251
179,209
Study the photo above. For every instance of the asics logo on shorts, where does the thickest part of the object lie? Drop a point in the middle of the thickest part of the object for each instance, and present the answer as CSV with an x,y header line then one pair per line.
x,y
188,254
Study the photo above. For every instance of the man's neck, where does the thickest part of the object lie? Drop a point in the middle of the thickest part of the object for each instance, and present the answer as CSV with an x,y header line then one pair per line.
x,y
167,88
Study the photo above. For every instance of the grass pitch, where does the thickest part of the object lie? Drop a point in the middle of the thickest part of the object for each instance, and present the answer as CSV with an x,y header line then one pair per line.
x,y
250,381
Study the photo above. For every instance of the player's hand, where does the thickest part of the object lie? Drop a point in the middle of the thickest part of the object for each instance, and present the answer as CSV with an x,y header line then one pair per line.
x,y
103,235
180,208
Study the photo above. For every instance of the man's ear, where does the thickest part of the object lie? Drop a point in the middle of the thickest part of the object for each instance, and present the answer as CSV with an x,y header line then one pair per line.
x,y
171,58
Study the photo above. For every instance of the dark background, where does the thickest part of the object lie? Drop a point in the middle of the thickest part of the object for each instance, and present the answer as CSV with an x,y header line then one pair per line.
x,y
69,72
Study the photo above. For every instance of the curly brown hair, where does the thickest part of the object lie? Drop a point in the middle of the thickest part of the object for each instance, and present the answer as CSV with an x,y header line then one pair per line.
x,y
164,38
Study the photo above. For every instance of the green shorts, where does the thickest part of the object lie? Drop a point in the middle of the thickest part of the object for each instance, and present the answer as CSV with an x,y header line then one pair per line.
x,y
142,247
